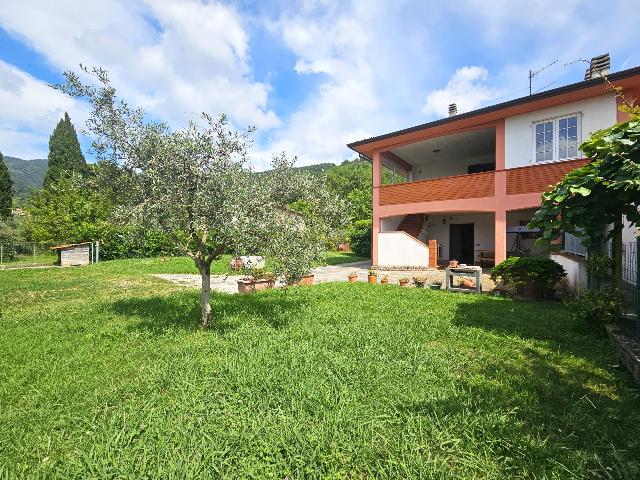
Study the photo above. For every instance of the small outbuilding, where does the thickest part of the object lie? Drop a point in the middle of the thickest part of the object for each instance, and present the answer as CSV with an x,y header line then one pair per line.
x,y
74,254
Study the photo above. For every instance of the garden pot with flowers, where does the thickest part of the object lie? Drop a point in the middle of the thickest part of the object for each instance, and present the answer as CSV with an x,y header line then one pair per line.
x,y
436,285
256,281
353,277
404,282
384,280
372,276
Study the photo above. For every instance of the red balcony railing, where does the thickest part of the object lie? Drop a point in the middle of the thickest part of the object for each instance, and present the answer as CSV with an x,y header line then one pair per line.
x,y
521,180
539,178
475,185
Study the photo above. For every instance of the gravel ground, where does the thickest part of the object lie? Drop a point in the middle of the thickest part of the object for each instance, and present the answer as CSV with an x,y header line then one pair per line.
x,y
331,273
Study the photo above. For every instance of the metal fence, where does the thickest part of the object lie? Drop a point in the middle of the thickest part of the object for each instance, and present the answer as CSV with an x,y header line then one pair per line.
x,y
630,283
26,254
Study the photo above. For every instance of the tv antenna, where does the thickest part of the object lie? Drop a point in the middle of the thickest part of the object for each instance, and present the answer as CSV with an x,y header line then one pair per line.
x,y
532,74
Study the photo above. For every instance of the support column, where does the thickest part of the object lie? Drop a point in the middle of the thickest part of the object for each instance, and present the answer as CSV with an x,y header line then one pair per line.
x,y
375,196
500,226
500,232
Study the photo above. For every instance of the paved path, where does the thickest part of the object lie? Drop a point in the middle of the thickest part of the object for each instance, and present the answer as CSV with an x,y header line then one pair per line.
x,y
330,273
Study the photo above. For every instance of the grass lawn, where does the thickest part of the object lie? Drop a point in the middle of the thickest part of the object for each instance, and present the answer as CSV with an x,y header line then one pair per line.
x,y
105,374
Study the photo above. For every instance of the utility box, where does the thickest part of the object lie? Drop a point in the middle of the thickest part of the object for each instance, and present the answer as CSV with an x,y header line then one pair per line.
x,y
73,254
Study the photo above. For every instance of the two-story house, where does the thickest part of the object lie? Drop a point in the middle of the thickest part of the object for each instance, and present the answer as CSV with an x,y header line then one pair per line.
x,y
464,187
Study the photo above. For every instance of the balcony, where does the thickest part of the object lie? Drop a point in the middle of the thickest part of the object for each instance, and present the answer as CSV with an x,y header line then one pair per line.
x,y
538,178
533,179
475,185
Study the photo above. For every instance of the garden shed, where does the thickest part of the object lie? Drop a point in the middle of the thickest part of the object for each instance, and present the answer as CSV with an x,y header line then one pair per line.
x,y
73,254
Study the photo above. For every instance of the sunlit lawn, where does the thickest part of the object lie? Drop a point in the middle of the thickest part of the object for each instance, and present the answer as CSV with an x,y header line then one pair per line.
x,y
105,374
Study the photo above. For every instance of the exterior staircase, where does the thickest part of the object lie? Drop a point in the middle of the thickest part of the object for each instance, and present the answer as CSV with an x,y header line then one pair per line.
x,y
413,224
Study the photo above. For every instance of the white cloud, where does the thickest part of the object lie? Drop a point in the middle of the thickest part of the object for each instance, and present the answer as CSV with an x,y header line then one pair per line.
x,y
467,88
30,110
366,86
175,59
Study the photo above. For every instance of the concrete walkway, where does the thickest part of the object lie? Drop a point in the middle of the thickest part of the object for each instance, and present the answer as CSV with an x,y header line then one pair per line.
x,y
329,273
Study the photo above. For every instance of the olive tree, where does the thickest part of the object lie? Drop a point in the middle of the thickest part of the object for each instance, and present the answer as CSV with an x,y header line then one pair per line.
x,y
195,184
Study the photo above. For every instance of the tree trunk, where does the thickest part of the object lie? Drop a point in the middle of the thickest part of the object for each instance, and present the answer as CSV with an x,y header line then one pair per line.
x,y
205,295
617,252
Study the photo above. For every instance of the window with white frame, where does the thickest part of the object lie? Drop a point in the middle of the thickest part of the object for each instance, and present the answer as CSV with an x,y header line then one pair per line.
x,y
557,138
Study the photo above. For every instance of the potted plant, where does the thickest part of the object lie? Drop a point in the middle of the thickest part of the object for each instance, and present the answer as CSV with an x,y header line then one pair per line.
x,y
436,285
353,277
306,280
256,280
453,263
420,281
404,282
466,282
372,276
384,280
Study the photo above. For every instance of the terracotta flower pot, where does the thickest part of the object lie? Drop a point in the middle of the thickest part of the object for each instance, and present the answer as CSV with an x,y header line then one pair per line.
x,y
372,279
469,284
453,263
384,281
353,278
248,285
404,282
308,280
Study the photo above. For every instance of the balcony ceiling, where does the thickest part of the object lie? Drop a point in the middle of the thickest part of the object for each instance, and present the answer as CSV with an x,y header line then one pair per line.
x,y
452,147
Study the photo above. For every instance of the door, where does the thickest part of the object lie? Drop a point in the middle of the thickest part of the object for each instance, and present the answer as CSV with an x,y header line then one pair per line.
x,y
461,242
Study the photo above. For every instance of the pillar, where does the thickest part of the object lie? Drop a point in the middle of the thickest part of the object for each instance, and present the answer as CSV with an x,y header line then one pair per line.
x,y
500,228
433,254
500,232
375,220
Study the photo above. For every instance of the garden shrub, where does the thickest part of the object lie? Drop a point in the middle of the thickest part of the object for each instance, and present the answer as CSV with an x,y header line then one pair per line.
x,y
129,242
532,277
360,238
595,308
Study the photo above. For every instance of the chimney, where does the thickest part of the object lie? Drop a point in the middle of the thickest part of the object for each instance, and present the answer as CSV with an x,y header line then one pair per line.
x,y
598,67
453,109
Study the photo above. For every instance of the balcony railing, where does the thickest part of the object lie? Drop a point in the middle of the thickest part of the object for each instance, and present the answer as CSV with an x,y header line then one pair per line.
x,y
521,180
538,178
475,185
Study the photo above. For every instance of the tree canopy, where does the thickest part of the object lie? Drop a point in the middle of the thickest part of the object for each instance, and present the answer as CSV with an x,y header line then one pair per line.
x,y
195,184
6,189
65,156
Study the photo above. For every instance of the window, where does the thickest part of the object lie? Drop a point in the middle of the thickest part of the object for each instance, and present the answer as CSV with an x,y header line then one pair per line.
x,y
481,167
568,137
544,141
557,139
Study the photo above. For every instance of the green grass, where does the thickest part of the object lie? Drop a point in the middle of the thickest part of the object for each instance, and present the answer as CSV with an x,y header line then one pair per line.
x,y
105,374
27,260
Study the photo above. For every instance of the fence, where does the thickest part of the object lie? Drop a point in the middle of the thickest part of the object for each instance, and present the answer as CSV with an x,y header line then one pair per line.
x,y
26,254
34,254
630,283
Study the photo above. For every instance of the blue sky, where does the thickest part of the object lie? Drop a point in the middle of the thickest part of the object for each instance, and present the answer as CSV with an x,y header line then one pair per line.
x,y
310,75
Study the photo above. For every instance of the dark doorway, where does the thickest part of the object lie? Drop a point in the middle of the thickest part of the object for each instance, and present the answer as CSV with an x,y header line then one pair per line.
x,y
461,242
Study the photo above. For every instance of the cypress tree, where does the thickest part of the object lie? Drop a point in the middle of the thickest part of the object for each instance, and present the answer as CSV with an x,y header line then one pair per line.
x,y
6,189
65,156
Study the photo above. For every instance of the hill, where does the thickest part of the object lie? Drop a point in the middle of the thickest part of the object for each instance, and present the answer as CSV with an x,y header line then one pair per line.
x,y
26,174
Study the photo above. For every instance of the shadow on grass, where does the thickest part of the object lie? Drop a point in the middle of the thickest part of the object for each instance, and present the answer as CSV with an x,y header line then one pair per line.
x,y
541,418
541,405
182,311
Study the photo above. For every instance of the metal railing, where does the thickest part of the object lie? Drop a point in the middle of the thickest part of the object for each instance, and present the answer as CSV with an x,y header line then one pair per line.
x,y
630,283
26,254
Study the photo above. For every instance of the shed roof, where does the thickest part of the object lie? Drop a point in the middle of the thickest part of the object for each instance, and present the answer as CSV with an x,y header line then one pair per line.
x,y
69,245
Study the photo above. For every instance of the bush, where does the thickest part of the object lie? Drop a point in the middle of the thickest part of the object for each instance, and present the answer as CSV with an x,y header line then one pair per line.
x,y
360,238
595,308
129,242
531,277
